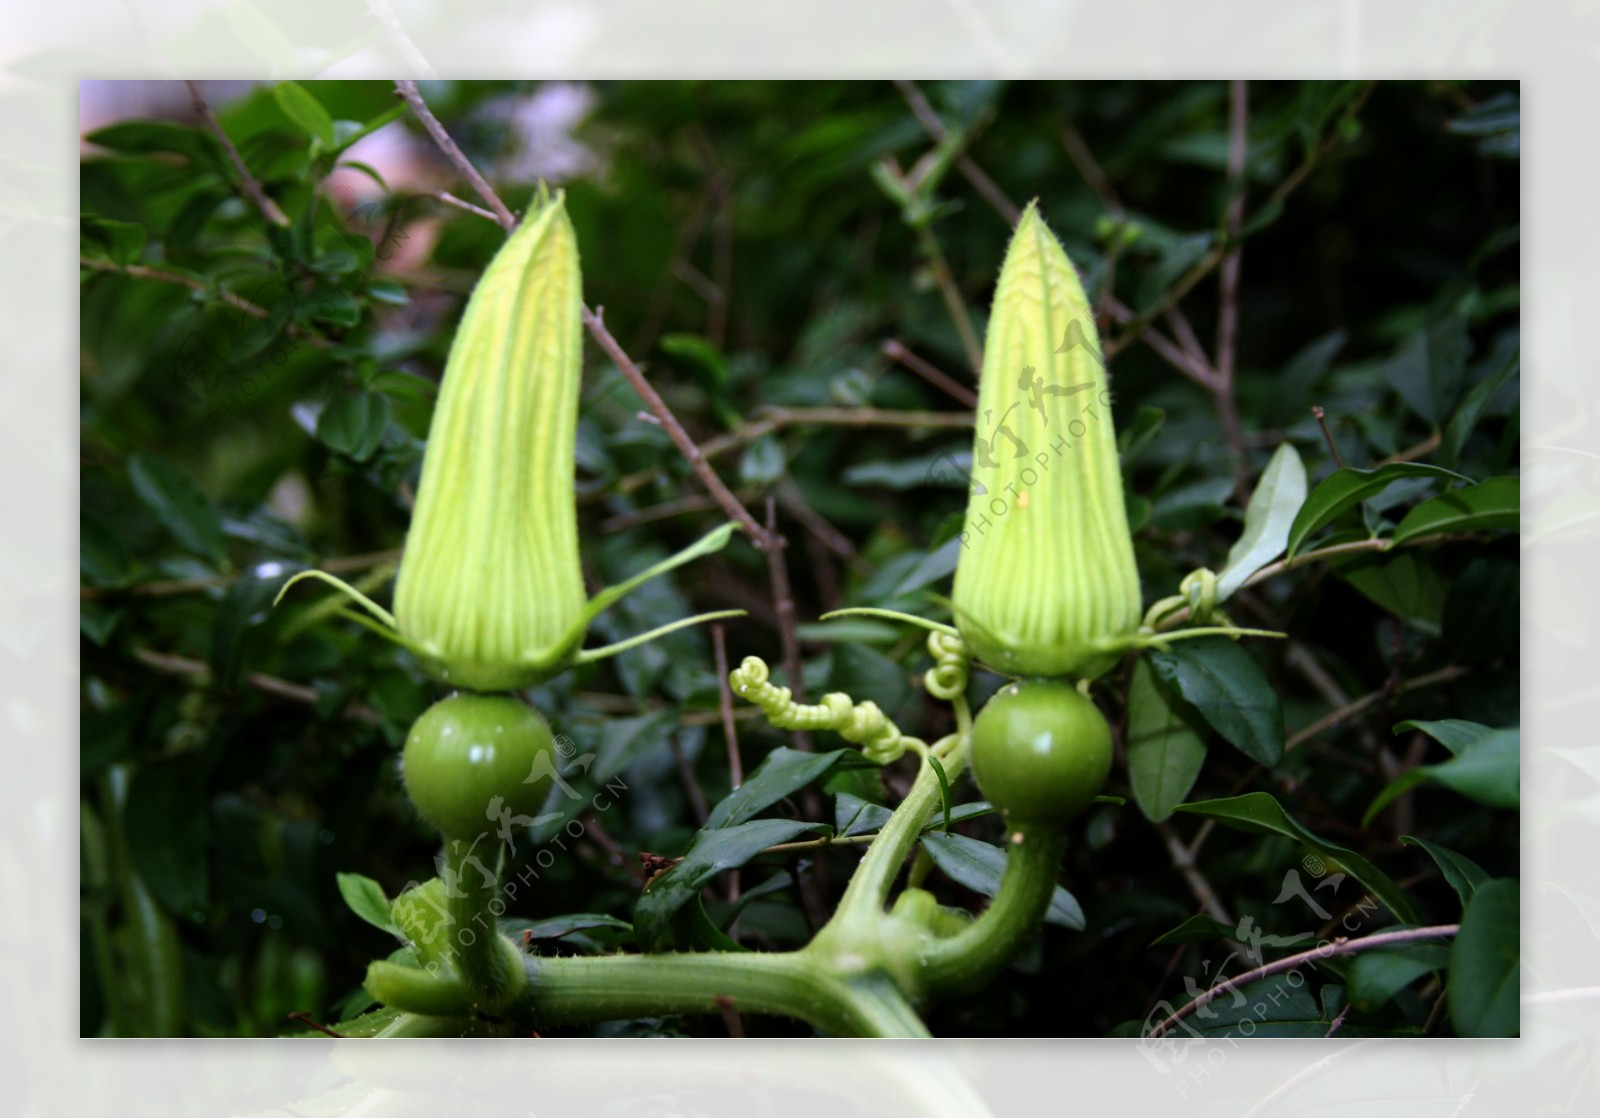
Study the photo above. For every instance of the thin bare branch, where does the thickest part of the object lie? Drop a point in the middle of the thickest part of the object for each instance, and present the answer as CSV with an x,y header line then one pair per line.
x,y
935,127
174,665
1184,862
1228,282
895,351
1340,946
253,190
462,204
783,601
457,158
595,321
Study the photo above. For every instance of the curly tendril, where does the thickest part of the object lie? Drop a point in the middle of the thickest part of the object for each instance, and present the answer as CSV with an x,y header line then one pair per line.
x,y
863,724
948,677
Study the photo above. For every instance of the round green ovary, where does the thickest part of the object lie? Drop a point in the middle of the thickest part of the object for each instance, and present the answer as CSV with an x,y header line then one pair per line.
x,y
469,749
1041,751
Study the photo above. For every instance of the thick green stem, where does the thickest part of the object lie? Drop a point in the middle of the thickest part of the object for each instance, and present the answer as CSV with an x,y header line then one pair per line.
x,y
587,989
868,891
972,957
489,965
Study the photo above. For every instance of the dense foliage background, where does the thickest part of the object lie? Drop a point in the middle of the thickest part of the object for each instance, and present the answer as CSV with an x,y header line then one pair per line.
x,y
256,395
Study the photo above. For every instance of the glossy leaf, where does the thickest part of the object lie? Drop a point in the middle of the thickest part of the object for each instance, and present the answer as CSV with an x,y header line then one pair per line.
x,y
783,772
1405,585
1347,487
978,866
1493,505
366,900
1486,963
711,853
1463,875
302,107
1267,519
1164,752
1261,814
1377,977
1230,691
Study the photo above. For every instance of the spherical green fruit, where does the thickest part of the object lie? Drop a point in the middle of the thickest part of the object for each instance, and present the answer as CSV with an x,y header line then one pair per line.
x,y
468,750
1041,751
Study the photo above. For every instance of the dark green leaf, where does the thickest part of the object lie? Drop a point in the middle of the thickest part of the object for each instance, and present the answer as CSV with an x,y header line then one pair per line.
x,y
1164,752
1377,977
143,137
366,900
1261,814
118,241
854,816
1429,369
1494,505
302,107
1197,929
782,773
1464,875
1227,687
354,425
1347,487
1465,419
978,866
1273,505
1405,585
1486,963
1277,1006
553,928
1487,766
712,852
179,504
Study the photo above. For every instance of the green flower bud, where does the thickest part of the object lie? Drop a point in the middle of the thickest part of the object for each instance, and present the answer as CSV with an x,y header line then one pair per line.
x,y
1046,584
490,592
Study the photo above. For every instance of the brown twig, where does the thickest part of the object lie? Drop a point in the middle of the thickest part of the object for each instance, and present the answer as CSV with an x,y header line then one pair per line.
x,y
462,204
730,1016
175,665
934,127
1202,267
1327,435
1357,707
248,183
1228,283
783,601
595,321
730,728
1184,862
1093,175
304,1016
691,784
1340,946
895,351
441,139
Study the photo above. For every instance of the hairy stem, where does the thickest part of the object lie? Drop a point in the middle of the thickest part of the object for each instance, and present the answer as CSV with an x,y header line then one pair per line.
x,y
569,989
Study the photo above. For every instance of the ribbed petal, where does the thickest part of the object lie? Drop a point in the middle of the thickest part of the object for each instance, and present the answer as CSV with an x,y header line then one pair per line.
x,y
1046,577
